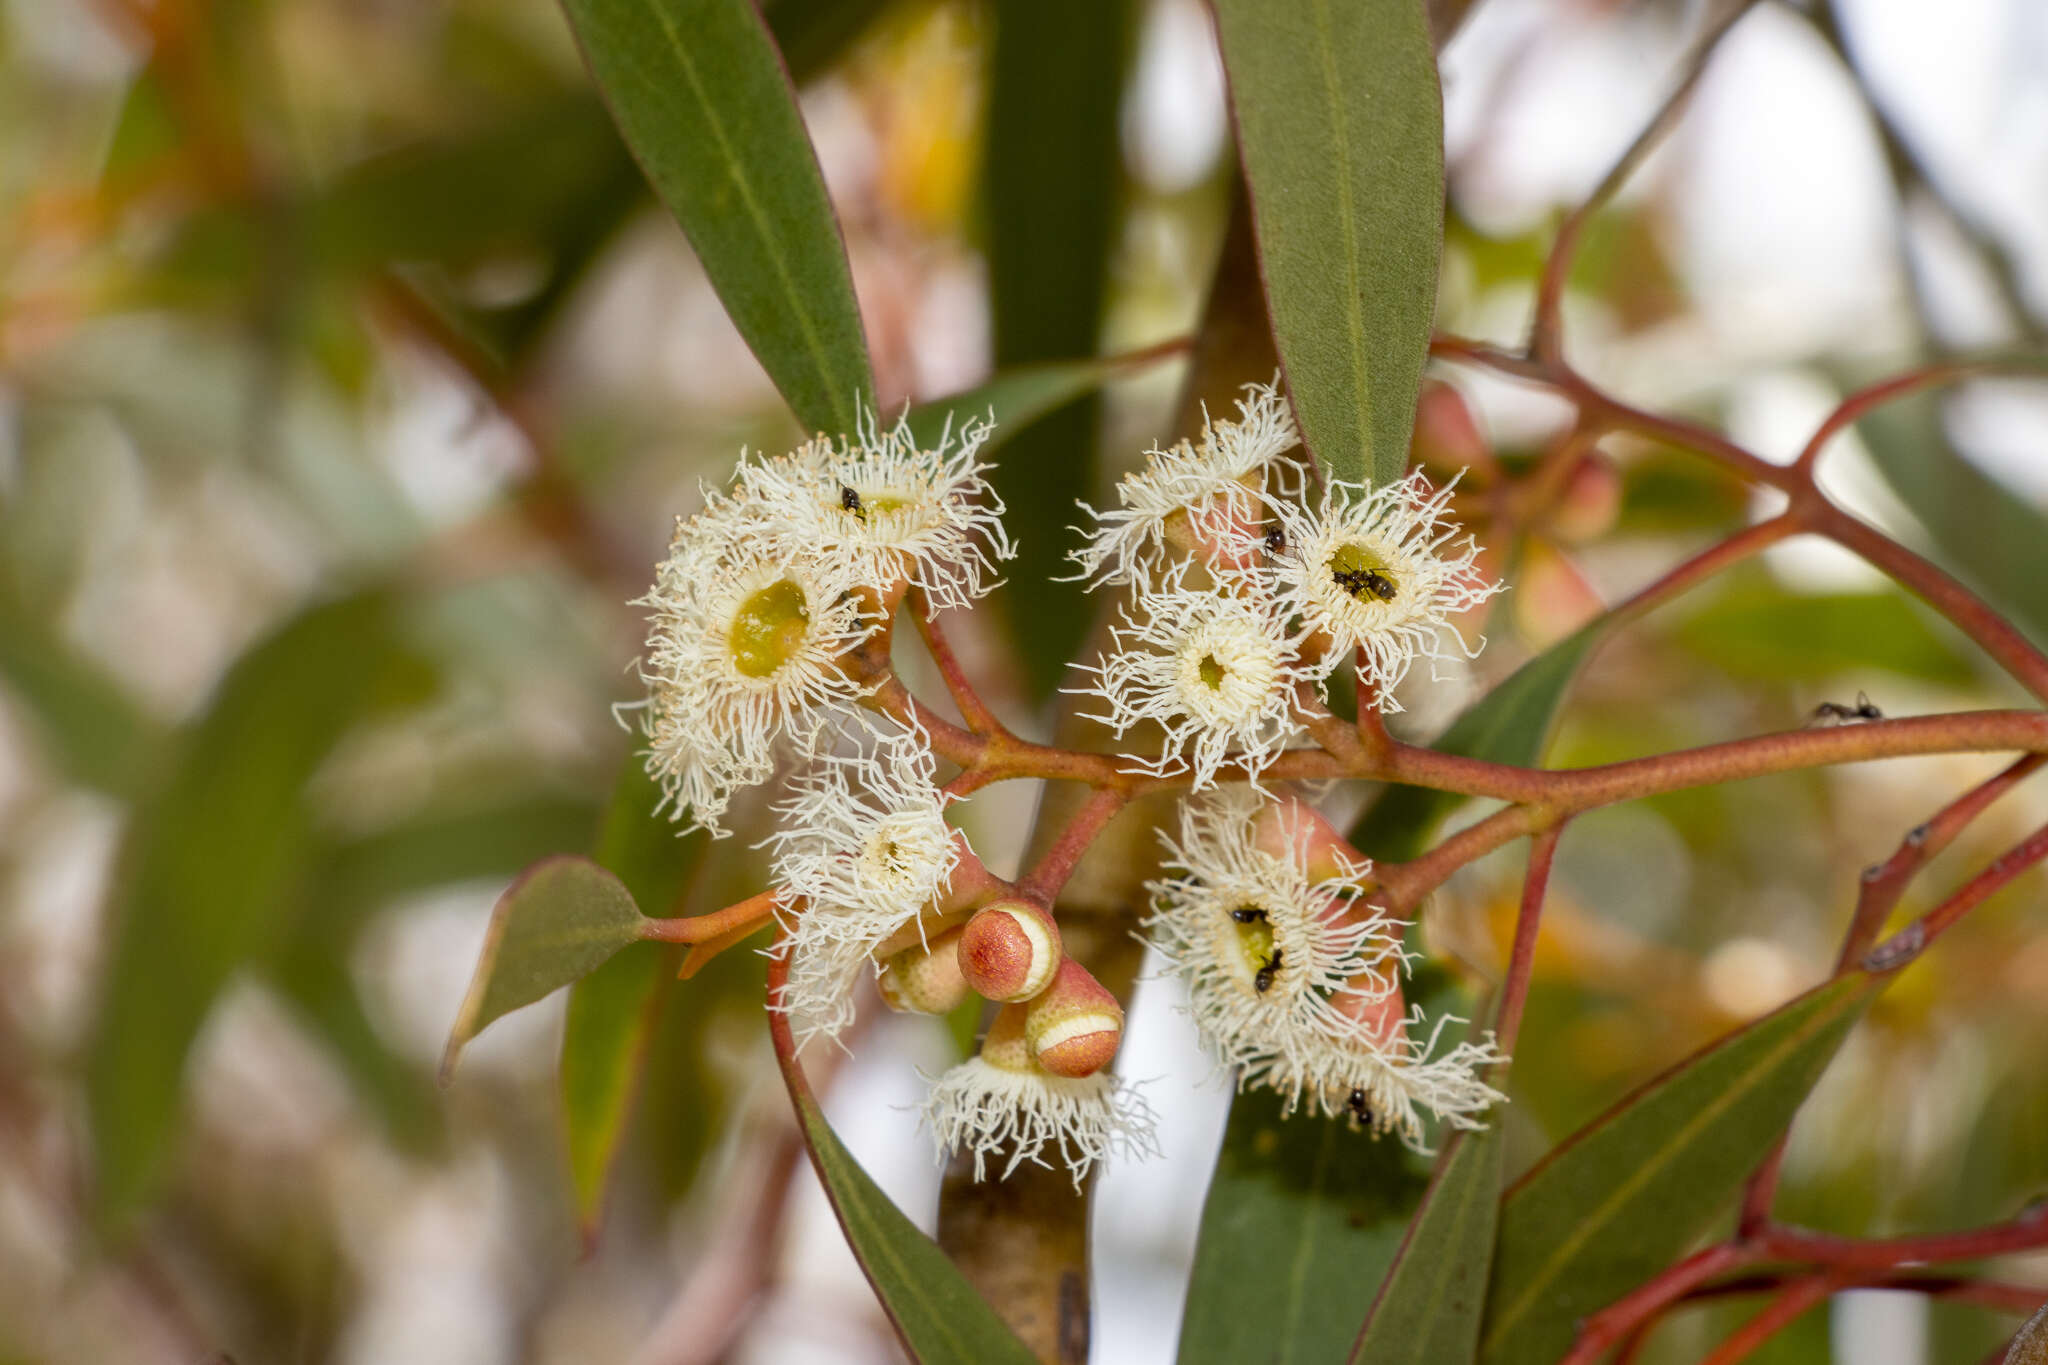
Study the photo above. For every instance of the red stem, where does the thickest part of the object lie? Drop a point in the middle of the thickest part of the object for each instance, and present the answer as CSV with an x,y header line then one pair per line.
x,y
700,928
1915,937
1044,881
1775,1316
973,709
1522,957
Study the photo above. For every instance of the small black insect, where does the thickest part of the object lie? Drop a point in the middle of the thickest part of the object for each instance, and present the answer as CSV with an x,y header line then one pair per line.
x,y
1275,541
1356,581
1250,914
1263,979
1863,709
1358,1107
849,500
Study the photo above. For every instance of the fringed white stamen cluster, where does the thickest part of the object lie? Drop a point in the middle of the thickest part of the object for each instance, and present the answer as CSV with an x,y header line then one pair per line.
x,y
1216,673
1227,485
1325,955
711,727
1398,532
1384,1083
864,841
989,1109
886,509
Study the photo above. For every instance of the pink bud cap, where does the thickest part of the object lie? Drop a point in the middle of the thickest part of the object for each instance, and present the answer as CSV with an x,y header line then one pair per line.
x,y
1009,950
1075,1026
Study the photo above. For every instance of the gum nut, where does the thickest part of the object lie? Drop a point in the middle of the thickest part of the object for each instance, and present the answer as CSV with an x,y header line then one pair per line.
x,y
1075,1026
1009,950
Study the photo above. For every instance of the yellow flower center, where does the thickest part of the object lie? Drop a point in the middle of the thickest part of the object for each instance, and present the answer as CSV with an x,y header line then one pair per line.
x,y
768,628
1211,671
1262,957
1360,572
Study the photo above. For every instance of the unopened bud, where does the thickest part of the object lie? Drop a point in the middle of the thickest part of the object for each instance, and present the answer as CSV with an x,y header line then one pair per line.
x,y
1004,1044
1075,1025
925,980
1446,438
1010,950
1591,500
1293,832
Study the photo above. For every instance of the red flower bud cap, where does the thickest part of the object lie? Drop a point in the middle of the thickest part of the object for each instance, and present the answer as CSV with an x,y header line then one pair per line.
x,y
1010,950
921,980
1074,1028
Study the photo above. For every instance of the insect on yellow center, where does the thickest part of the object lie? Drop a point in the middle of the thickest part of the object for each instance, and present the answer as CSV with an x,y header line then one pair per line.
x,y
768,628
1363,574
1254,936
860,505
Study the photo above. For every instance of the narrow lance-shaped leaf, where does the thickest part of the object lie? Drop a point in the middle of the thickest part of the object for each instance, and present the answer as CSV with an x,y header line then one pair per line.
x,y
699,93
612,1011
1429,1307
206,869
1626,1195
1340,128
935,1310
562,918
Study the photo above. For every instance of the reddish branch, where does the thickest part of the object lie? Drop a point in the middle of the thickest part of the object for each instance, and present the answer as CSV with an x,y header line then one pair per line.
x,y
1522,956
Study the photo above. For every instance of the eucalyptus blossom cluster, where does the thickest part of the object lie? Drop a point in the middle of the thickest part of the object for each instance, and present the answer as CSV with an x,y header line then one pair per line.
x,y
1246,585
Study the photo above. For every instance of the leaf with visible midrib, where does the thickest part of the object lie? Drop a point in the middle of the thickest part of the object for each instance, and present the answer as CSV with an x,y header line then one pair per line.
x,y
1340,127
699,93
558,922
1626,1195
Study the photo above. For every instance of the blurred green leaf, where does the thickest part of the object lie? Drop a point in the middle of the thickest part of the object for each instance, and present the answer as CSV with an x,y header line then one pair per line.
x,y
699,92
207,866
1986,533
936,1311
1303,1217
314,980
100,736
813,34
1051,180
1430,1304
1756,629
1016,398
1510,724
1340,128
613,1011
1628,1194
558,922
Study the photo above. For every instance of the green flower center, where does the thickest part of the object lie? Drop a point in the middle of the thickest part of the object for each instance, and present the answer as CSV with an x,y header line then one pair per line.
x,y
768,628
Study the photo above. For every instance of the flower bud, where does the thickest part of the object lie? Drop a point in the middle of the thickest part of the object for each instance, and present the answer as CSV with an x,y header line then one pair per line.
x,y
925,980
1004,1045
1074,1026
1295,833
1591,499
1010,950
1446,438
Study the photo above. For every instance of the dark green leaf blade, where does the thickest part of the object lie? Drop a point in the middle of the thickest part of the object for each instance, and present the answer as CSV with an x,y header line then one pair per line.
x,y
1627,1194
1340,128
1430,1304
934,1309
698,90
612,1011
1302,1218
207,868
1510,724
558,922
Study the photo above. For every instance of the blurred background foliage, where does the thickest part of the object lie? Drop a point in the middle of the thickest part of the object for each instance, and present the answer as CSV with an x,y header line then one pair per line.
x,y
350,379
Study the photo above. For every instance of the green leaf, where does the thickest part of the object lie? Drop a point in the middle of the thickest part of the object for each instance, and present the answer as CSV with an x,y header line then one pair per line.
x,y
1340,128
207,868
316,984
97,732
698,90
935,1310
813,34
1018,397
1051,184
1303,1217
1510,724
1756,629
558,922
1628,1194
1429,1307
1985,532
613,1011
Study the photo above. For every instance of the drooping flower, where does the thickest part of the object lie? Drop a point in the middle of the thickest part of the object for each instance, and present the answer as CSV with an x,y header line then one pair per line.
x,y
1385,1082
1272,958
1002,1104
887,509
1218,493
1379,574
863,840
1215,671
743,651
